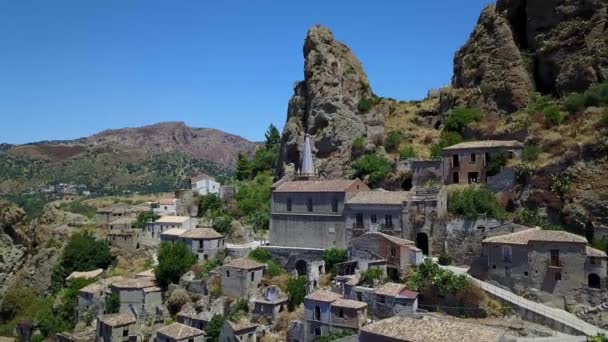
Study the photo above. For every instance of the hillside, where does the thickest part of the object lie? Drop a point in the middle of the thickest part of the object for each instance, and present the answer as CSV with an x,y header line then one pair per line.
x,y
146,159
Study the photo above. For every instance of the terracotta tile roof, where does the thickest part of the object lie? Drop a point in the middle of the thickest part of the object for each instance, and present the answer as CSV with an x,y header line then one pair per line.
x,y
348,303
432,329
380,197
324,296
202,233
172,219
200,178
485,144
92,288
390,289
391,238
245,264
594,252
118,319
179,331
174,232
335,185
86,275
536,234
242,325
135,283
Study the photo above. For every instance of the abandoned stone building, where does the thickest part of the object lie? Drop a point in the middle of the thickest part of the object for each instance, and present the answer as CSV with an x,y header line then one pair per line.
x,y
178,332
241,277
92,298
205,243
469,162
118,211
124,240
122,223
139,295
309,213
154,229
269,302
117,327
555,262
199,314
375,211
242,331
326,311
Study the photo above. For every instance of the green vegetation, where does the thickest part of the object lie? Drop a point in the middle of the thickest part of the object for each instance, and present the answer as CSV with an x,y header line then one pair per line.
x,y
429,274
473,202
212,264
376,167
238,310
263,255
209,204
32,204
574,103
461,117
77,207
336,335
113,303
365,104
530,152
600,244
497,163
359,143
553,116
214,328
446,139
223,224
82,253
254,196
597,95
333,256
243,167
174,259
296,291
372,276
264,159
561,184
142,218
393,140
407,152
444,259
272,136
600,337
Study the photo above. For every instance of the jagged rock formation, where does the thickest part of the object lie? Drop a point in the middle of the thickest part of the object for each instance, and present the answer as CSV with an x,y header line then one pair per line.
x,y
553,47
325,105
12,248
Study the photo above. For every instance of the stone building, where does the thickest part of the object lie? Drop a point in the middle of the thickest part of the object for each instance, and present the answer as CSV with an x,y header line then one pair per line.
x,y
121,327
555,262
309,213
172,235
124,240
241,277
92,298
327,311
424,216
468,162
123,223
165,206
199,314
154,229
178,332
243,331
113,212
399,254
269,302
204,185
205,243
140,295
375,211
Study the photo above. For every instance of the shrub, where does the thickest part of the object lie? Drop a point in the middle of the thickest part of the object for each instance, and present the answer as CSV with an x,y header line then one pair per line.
x,y
273,269
365,105
113,303
334,256
178,298
142,218
296,291
524,171
260,255
538,104
335,335
446,139
597,95
376,167
600,244
372,276
561,184
214,328
359,143
497,163
223,224
209,203
174,259
238,310
444,259
407,152
393,140
574,103
530,152
429,274
461,117
254,196
472,202
553,116
211,264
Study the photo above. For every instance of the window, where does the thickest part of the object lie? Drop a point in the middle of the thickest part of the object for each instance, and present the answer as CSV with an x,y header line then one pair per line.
x,y
374,219
341,313
317,331
250,335
317,313
592,260
393,251
190,340
388,220
473,157
252,276
455,178
227,274
309,204
493,267
558,276
334,205
359,296
125,332
455,161
473,177
507,253
205,257
554,261
526,274
289,204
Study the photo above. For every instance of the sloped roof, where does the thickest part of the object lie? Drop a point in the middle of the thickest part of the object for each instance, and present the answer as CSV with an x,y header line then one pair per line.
x,y
174,232
85,275
334,185
123,220
485,144
380,197
202,233
594,252
167,201
118,319
241,325
114,208
146,274
135,283
396,289
324,296
172,219
396,240
432,329
245,264
536,234
201,177
180,331
271,294
349,303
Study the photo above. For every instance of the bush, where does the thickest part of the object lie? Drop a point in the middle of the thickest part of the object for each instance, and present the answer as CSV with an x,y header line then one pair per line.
x,y
446,139
209,203
359,143
174,259
142,218
335,335
553,116
273,269
374,166
393,140
223,224
497,163
372,276
178,298
574,103
333,256
365,105
429,274
238,310
444,259
561,184
597,95
254,196
530,152
407,152
77,207
461,117
296,291
214,328
473,202
113,303
260,255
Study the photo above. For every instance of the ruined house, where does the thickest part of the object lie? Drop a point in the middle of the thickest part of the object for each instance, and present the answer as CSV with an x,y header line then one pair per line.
x,y
205,243
156,228
555,262
92,298
269,302
178,332
140,295
241,277
242,331
375,211
117,327
326,311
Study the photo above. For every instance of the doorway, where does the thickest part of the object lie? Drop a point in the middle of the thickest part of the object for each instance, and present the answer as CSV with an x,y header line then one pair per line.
x,y
422,242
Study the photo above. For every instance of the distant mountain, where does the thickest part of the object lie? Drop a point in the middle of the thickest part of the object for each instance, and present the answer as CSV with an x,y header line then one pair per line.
x,y
149,158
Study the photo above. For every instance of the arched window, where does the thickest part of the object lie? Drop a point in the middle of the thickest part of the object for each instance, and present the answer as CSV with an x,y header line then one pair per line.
x,y
593,281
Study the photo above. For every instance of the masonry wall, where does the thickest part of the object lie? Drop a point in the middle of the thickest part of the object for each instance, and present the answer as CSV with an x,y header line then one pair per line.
x,y
111,334
238,282
352,318
210,248
466,165
367,211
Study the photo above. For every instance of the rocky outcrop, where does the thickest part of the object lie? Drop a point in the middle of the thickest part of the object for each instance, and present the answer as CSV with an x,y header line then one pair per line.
x,y
330,106
12,248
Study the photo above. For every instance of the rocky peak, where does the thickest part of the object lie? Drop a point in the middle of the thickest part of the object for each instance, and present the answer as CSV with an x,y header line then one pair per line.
x,y
325,105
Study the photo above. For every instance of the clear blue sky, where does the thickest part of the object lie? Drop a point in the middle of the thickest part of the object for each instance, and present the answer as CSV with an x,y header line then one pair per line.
x,y
72,68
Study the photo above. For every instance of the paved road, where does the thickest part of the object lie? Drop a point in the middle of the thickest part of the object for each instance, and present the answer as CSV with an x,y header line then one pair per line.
x,y
558,315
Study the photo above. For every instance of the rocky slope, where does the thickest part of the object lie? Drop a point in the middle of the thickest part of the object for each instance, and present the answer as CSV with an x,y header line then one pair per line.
x,y
155,157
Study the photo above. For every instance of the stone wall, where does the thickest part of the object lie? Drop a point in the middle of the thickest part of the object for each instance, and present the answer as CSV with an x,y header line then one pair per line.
x,y
503,181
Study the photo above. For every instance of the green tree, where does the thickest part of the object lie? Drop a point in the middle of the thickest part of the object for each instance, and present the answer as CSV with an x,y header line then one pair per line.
x,y
223,224
243,167
376,167
264,159
113,303
472,202
273,137
407,152
497,163
145,217
333,256
461,117
174,259
210,203
393,140
214,328
254,196
296,291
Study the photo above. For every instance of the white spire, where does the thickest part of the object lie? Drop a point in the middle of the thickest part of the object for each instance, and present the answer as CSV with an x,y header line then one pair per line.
x,y
308,167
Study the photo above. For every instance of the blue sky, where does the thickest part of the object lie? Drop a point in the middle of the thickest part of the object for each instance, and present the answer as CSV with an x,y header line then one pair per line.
x,y
72,68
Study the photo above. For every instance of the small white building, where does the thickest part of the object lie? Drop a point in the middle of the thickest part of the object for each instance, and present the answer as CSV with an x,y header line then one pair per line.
x,y
165,206
154,229
205,184
205,243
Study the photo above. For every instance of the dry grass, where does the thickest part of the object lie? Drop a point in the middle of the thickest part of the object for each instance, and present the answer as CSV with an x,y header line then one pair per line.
x,y
283,318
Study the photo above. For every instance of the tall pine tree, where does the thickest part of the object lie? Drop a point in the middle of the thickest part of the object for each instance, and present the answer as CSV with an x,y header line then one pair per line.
x,y
243,168
273,137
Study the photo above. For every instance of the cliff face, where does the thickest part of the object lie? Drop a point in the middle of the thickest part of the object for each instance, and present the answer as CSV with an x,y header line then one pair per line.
x,y
553,47
326,106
